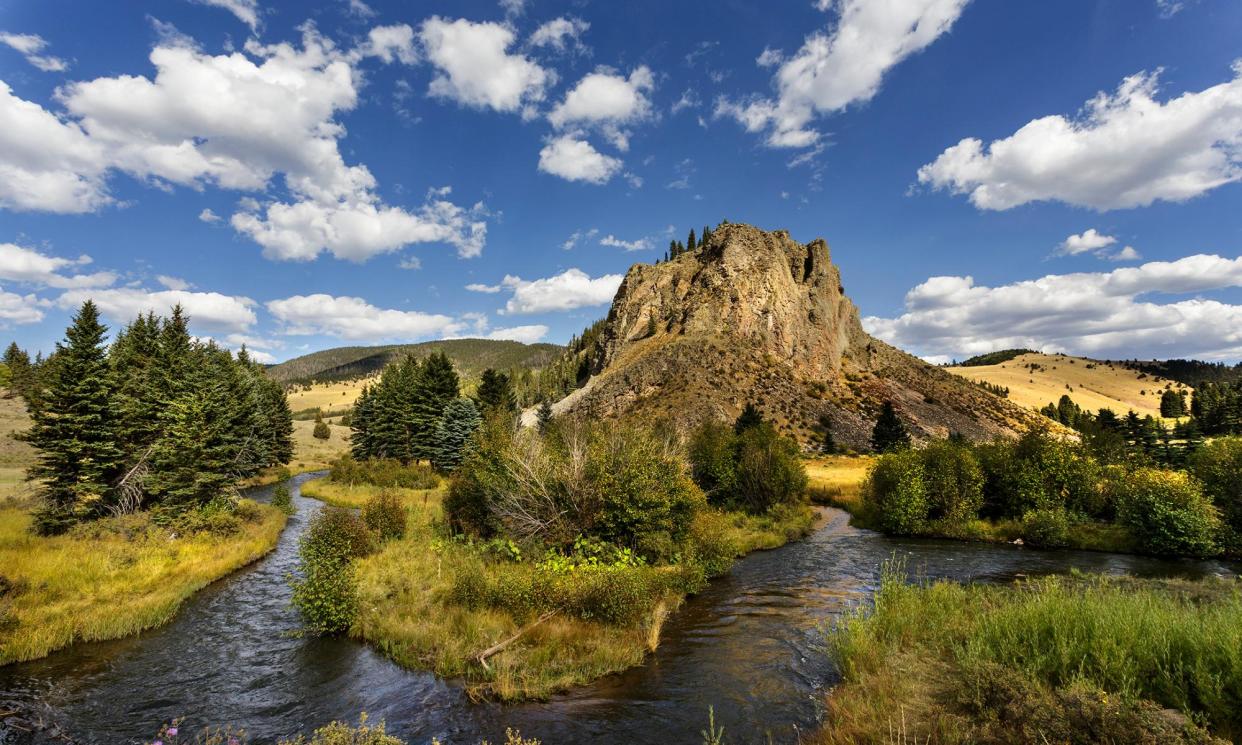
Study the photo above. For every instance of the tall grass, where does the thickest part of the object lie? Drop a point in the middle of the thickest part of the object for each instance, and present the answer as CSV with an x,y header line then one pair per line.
x,y
945,662
112,578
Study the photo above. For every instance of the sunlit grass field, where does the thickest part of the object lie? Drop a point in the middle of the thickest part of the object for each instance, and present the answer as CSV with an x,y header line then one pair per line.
x,y
837,479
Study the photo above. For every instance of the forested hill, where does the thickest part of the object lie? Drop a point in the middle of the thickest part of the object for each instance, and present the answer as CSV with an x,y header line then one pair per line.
x,y
1190,372
470,356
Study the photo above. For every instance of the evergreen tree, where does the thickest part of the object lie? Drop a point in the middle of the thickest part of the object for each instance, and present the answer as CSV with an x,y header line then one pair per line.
x,y
890,432
361,442
436,386
138,375
496,393
74,429
827,443
453,431
321,430
690,242
706,234
1172,405
544,416
21,376
750,417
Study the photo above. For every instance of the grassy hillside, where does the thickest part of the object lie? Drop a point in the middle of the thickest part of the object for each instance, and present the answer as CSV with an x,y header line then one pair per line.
x,y
14,455
471,357
1034,380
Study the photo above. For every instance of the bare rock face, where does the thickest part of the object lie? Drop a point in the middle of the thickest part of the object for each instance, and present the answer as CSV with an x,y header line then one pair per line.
x,y
756,316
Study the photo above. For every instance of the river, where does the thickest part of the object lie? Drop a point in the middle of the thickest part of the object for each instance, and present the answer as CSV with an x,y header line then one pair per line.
x,y
750,646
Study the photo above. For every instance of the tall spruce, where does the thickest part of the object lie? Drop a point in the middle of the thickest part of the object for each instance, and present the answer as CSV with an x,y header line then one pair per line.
x,y
890,432
749,418
495,393
74,429
21,375
452,437
544,417
690,241
437,384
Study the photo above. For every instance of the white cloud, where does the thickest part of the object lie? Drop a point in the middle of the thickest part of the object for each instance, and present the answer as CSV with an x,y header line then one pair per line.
x,y
1126,254
208,216
577,236
1169,8
641,244
525,334
30,46
832,71
479,287
355,319
1084,242
572,288
234,121
1126,150
770,57
19,309
210,311
360,9
247,11
574,159
475,67
561,34
513,8
26,265
688,100
1100,314
607,100
173,283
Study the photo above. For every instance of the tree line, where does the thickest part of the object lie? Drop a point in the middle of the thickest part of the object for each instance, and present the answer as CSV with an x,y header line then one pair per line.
x,y
156,418
415,411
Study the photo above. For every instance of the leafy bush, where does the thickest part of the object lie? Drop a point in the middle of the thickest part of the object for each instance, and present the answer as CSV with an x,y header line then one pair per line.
x,y
713,460
339,733
387,472
326,594
1167,512
282,499
953,482
321,431
385,515
1218,465
753,469
710,543
1046,528
1039,472
895,492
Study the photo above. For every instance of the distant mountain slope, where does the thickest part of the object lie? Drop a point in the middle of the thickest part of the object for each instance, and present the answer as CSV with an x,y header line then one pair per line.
x,y
471,356
1035,380
1190,372
754,316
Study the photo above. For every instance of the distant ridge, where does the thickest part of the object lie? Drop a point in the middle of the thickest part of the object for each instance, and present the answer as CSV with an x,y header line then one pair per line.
x,y
471,357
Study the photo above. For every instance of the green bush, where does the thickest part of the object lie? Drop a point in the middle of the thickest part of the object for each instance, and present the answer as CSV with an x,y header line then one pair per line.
x,y
1218,465
282,499
1046,528
339,733
1167,512
896,493
385,515
754,469
321,431
710,543
713,461
326,592
1038,471
387,472
953,482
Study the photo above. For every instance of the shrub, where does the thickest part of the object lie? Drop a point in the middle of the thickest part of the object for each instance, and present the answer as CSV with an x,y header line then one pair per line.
x,y
1218,465
896,492
953,482
710,542
1167,512
326,594
388,472
385,515
1039,472
321,431
713,460
339,733
282,499
1046,528
769,470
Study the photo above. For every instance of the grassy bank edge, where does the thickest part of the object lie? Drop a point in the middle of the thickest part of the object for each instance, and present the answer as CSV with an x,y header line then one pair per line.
x,y
113,579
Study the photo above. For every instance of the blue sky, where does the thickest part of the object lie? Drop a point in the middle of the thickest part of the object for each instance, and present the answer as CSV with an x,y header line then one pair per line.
x,y
1058,174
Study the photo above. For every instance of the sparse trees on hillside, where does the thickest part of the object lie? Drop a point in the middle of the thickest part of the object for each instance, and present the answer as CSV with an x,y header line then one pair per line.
x,y
890,432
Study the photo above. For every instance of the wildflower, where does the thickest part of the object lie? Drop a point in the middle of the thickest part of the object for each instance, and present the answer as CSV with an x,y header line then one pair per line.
x,y
172,731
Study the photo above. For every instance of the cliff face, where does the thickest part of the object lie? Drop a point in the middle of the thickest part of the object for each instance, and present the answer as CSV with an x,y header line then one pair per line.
x,y
755,316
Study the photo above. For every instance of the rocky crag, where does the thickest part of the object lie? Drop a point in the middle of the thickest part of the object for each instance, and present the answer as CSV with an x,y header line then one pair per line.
x,y
754,316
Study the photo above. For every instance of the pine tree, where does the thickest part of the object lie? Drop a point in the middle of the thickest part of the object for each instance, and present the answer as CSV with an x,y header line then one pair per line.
x,y
361,443
21,376
74,429
704,236
436,386
321,430
452,435
890,432
137,372
495,393
827,443
750,417
690,242
544,416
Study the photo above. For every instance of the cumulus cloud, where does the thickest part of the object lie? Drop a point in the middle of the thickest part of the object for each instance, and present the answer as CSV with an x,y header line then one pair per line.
x,y
561,34
247,11
210,311
834,70
355,319
1089,240
208,216
475,68
31,47
479,287
525,334
1100,314
609,101
234,121
574,159
1126,150
19,309
572,288
173,283
640,244
577,236
28,266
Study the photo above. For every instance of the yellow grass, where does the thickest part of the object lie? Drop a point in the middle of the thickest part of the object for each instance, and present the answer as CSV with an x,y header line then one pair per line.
x,y
356,495
1104,386
327,396
110,579
838,479
14,455
310,454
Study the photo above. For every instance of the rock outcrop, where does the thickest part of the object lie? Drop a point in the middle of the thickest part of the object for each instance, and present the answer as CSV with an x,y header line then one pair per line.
x,y
755,316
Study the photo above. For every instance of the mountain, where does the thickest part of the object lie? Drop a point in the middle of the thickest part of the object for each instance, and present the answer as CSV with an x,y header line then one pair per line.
x,y
470,356
754,316
1035,380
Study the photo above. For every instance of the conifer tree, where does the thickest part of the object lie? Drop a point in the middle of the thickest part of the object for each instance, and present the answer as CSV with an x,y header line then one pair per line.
x,y
544,416
20,373
707,233
437,384
827,443
137,372
361,444
495,393
690,244
890,432
453,431
321,430
750,417
74,428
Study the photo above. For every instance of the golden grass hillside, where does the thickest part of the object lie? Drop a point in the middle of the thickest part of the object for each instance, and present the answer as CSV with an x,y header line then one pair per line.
x,y
1036,380
330,397
15,455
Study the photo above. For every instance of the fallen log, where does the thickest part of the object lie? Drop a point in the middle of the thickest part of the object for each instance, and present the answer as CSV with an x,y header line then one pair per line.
x,y
500,646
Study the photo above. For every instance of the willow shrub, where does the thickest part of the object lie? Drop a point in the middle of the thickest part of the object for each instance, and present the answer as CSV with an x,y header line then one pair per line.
x,y
385,515
755,470
326,593
1167,512
1218,465
895,493
385,472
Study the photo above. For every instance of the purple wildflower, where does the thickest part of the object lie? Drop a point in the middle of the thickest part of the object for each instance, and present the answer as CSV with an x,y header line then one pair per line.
x,y
172,731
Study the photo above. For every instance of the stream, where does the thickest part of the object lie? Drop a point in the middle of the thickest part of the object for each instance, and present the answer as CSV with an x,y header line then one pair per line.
x,y
750,645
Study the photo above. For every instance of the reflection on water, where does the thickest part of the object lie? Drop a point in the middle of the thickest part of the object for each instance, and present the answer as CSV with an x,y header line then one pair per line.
x,y
750,645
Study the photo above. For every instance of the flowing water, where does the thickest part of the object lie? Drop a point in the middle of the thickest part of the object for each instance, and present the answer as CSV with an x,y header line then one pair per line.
x,y
750,646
